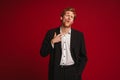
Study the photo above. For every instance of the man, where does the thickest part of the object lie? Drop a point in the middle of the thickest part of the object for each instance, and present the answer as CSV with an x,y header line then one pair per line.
x,y
66,48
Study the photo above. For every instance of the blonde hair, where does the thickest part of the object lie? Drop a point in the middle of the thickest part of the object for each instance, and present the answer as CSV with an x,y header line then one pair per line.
x,y
68,9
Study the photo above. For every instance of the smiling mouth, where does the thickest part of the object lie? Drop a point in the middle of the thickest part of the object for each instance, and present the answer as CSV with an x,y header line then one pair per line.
x,y
68,21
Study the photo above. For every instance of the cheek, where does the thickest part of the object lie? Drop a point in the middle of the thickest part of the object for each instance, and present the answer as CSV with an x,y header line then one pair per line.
x,y
64,19
71,21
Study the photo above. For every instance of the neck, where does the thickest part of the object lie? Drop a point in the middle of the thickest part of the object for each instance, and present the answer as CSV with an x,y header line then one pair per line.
x,y
65,29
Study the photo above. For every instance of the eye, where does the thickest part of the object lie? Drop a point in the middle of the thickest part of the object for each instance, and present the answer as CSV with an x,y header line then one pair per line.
x,y
72,17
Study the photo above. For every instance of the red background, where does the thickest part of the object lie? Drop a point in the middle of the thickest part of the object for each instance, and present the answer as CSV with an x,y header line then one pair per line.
x,y
23,24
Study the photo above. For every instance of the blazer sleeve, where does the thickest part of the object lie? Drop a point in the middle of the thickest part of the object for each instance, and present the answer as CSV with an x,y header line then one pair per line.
x,y
46,47
82,57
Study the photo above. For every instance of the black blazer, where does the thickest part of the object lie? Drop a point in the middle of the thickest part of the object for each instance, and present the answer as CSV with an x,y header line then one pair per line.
x,y
77,48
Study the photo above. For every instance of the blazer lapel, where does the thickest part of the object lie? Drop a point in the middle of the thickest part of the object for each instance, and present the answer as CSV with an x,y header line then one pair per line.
x,y
71,40
72,44
58,47
58,32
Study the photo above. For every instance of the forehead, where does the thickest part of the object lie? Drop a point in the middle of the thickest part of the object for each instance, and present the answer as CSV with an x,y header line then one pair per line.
x,y
69,13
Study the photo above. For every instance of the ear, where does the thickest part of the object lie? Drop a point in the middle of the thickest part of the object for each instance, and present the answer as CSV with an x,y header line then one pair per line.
x,y
61,17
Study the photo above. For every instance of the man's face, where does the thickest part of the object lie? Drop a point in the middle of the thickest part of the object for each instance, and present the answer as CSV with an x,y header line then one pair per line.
x,y
67,19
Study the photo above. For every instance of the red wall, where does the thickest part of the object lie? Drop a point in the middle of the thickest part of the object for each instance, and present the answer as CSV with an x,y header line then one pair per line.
x,y
23,25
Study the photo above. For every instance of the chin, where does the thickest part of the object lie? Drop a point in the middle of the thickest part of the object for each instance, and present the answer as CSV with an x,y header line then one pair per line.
x,y
67,25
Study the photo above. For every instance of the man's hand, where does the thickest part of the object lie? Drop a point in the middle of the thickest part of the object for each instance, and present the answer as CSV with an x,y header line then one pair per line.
x,y
56,38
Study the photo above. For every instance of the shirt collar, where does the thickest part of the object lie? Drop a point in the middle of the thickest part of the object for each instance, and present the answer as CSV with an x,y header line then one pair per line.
x,y
69,32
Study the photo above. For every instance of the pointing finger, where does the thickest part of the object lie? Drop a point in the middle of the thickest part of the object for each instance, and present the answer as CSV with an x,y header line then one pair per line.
x,y
55,34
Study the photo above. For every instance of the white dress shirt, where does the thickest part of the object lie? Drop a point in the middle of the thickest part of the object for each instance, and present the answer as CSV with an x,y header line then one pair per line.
x,y
66,58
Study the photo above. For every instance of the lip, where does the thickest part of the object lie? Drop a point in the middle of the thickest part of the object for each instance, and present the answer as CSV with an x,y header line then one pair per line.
x,y
67,21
